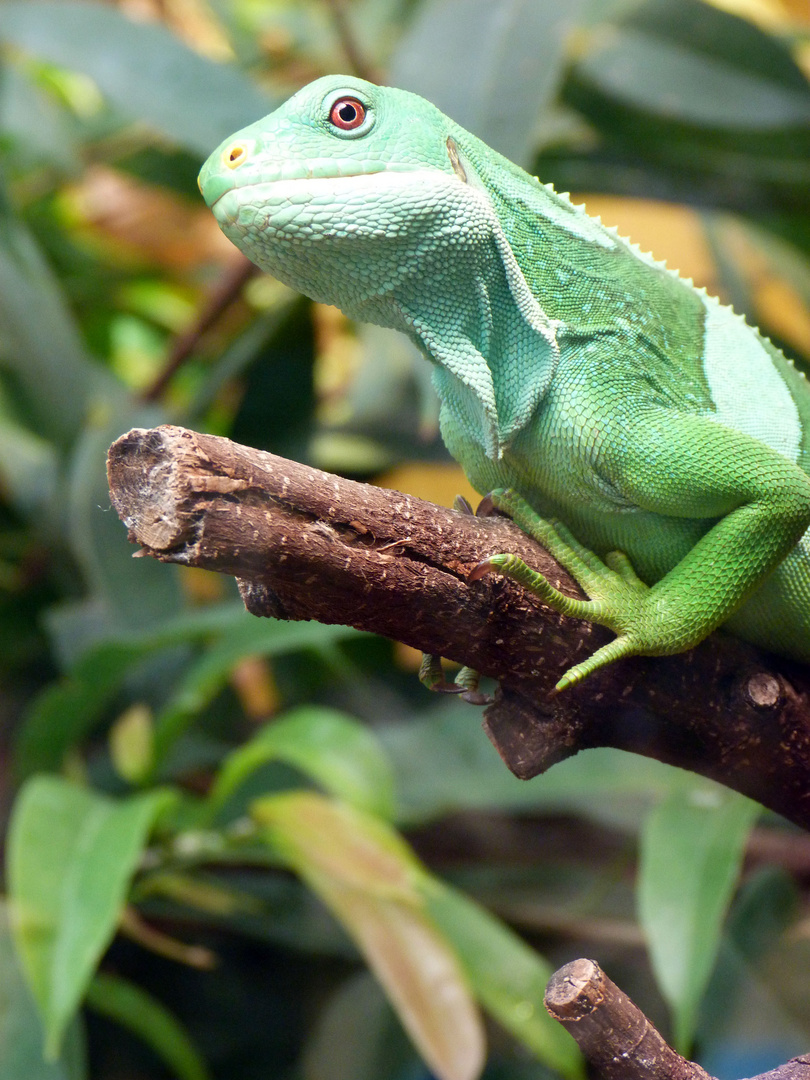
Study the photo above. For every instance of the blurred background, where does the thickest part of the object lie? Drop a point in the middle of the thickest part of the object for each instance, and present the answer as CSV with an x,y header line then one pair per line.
x,y
189,795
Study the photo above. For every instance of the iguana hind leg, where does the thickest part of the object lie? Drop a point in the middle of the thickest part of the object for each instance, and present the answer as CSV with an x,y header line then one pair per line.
x,y
431,673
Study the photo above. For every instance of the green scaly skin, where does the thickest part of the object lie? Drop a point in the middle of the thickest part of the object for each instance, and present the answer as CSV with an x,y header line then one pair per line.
x,y
597,387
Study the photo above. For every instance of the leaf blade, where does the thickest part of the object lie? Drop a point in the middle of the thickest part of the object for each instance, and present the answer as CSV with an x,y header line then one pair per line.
x,y
21,1036
491,67
508,976
71,855
141,67
337,751
692,846
692,62
148,1018
366,875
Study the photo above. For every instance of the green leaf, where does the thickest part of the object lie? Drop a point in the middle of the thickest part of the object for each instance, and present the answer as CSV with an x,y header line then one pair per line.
x,y
144,1015
142,68
690,61
207,676
708,30
366,875
491,67
337,751
757,931
507,976
71,856
40,343
134,593
692,845
29,469
39,130
21,1037
67,711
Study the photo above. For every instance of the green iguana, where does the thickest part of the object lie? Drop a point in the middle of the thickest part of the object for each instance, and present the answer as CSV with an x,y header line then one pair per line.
x,y
579,379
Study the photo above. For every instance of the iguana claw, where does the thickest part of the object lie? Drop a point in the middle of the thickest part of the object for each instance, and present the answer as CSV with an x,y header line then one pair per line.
x,y
465,683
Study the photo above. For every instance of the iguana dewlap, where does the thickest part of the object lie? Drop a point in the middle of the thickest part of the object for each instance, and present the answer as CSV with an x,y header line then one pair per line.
x,y
607,393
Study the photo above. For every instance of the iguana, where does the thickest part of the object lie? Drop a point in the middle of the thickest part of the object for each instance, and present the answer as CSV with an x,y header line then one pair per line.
x,y
650,439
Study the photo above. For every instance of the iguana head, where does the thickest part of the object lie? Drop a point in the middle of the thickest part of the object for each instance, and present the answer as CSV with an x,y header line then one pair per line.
x,y
371,199
328,192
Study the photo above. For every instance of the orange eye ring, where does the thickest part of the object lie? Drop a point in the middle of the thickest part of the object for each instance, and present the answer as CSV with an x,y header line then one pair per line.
x,y
234,155
347,113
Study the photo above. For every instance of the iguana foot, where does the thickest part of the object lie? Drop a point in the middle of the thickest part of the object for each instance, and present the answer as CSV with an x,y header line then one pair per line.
x,y
617,595
468,679
465,683
431,673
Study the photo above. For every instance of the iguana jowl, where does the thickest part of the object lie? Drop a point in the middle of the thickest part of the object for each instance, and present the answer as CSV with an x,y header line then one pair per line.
x,y
620,408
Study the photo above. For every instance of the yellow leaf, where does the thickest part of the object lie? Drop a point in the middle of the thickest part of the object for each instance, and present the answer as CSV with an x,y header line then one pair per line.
x,y
341,844
366,874
131,743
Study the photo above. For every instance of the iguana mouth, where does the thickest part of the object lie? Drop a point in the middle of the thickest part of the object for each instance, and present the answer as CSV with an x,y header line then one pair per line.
x,y
326,169
281,180
309,174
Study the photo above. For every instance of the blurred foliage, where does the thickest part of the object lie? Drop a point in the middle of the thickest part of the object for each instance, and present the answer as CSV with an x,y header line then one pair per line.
x,y
187,788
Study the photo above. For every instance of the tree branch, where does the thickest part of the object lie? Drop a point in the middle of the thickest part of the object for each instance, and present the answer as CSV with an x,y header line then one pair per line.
x,y
308,545
228,291
616,1038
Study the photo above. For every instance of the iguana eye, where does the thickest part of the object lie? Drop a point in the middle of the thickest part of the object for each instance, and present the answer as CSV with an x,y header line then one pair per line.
x,y
347,113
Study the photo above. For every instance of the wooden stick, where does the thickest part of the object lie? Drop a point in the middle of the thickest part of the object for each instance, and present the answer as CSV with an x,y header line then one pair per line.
x,y
616,1038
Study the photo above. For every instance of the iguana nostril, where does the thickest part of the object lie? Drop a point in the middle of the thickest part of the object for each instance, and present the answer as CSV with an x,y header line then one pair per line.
x,y
235,155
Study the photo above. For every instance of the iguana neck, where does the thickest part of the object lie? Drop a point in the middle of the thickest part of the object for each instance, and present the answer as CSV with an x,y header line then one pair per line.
x,y
496,349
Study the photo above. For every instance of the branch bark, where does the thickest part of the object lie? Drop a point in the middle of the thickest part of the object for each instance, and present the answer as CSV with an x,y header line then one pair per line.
x,y
304,544
616,1038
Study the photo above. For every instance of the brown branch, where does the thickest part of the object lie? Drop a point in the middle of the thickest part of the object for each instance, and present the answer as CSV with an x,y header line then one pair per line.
x,y
614,1035
229,290
308,545
354,54
616,1038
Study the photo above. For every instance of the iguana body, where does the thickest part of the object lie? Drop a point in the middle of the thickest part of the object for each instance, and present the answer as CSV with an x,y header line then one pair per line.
x,y
605,391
